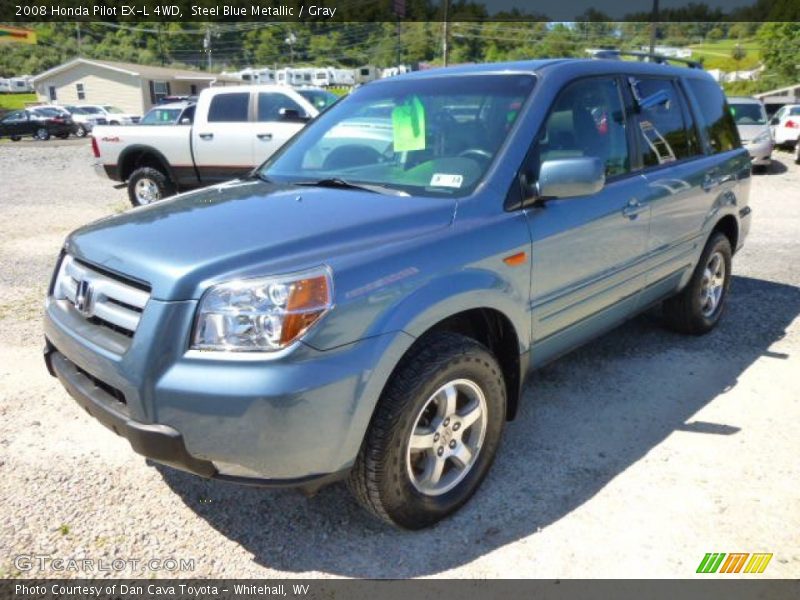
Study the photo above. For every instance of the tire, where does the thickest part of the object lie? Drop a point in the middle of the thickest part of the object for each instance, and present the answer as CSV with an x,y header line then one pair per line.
x,y
697,309
15,138
147,185
388,478
797,152
80,131
42,134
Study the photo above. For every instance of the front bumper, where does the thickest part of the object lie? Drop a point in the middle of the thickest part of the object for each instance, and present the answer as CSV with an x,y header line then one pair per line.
x,y
761,153
295,421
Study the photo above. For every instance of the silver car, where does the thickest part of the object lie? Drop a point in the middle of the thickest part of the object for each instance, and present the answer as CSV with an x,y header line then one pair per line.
x,y
751,121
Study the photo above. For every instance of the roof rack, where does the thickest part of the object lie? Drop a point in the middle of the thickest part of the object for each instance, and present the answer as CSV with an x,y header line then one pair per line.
x,y
646,56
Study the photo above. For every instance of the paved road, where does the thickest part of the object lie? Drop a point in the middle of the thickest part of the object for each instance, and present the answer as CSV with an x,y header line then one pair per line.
x,y
631,457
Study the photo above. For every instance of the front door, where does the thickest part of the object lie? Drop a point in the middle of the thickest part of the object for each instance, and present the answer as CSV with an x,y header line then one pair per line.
x,y
588,253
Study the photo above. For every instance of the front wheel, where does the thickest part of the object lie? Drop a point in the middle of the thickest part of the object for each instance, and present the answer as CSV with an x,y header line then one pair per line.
x,y
147,185
42,134
81,131
698,308
434,433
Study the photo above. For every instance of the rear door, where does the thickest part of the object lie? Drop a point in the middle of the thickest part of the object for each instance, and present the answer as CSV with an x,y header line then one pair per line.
x,y
278,118
587,252
222,136
678,176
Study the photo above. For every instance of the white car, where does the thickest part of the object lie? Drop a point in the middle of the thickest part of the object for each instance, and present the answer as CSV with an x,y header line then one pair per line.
x,y
785,125
114,115
754,131
235,128
85,119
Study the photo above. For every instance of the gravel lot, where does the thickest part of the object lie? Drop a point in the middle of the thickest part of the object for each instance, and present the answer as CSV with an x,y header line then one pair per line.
x,y
631,457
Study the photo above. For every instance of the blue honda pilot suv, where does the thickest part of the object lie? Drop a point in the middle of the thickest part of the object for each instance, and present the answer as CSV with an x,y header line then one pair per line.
x,y
366,305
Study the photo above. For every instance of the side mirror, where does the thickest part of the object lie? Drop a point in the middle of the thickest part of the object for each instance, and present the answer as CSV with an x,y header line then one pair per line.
x,y
186,121
291,114
775,121
570,177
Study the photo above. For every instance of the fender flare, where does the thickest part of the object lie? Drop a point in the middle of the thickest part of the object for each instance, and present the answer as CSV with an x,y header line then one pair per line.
x,y
149,150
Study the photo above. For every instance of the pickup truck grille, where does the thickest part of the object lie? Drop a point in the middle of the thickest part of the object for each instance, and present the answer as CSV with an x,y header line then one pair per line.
x,y
100,298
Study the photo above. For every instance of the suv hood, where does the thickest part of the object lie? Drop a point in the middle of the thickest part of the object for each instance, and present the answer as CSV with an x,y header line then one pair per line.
x,y
248,229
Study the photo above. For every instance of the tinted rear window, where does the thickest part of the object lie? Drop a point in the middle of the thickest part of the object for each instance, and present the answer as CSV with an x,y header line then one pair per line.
x,y
716,118
229,108
665,134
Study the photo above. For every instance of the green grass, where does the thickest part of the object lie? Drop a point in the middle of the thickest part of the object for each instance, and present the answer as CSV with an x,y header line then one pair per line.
x,y
717,55
15,101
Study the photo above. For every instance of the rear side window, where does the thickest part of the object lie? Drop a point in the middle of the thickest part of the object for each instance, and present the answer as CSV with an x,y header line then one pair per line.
x,y
270,105
717,119
229,108
664,130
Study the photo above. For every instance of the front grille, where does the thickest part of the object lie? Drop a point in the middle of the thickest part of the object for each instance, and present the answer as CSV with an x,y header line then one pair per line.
x,y
101,298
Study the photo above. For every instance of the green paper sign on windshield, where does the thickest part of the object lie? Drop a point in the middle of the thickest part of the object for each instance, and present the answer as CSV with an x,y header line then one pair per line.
x,y
408,125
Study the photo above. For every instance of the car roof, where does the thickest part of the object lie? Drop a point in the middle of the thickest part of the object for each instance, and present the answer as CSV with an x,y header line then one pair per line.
x,y
744,100
181,104
597,65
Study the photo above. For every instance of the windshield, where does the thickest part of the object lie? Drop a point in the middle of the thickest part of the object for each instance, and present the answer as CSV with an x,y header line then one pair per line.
x,y
427,137
112,109
320,99
749,114
77,110
161,116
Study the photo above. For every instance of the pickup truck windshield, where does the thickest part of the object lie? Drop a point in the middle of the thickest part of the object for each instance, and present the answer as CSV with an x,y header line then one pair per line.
x,y
426,137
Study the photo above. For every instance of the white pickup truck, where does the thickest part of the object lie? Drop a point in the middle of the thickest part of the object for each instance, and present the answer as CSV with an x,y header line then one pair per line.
x,y
234,129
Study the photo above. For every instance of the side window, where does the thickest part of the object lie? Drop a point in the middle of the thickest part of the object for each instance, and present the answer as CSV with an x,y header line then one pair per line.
x,y
81,91
270,105
15,117
229,108
663,130
717,119
587,119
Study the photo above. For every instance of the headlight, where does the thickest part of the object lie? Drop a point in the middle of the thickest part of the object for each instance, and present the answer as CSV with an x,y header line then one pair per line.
x,y
261,315
762,137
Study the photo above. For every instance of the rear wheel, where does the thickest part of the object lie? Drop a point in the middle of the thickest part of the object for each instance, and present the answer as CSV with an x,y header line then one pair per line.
x,y
80,131
42,134
147,185
698,308
434,433
15,138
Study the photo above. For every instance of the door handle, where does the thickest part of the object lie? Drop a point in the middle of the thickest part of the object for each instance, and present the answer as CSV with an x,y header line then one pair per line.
x,y
633,209
206,136
264,136
709,183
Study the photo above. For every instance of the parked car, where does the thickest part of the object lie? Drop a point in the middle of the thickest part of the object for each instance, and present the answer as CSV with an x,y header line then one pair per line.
x,y
234,129
113,115
173,113
372,313
85,119
55,114
754,131
785,125
35,122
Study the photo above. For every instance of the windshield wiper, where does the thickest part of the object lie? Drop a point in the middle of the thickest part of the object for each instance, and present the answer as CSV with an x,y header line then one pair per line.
x,y
338,182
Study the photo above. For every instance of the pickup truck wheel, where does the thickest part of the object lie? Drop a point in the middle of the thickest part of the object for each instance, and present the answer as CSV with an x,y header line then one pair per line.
x,y
434,433
147,185
42,134
697,309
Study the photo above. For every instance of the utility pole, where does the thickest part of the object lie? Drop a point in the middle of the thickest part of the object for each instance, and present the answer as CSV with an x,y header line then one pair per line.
x,y
207,47
446,32
78,36
654,28
291,39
